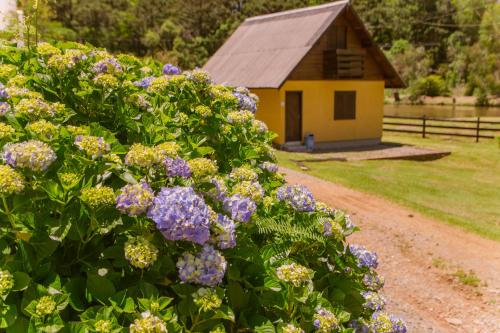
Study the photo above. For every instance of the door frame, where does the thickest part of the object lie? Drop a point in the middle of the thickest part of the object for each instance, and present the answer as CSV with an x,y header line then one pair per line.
x,y
301,113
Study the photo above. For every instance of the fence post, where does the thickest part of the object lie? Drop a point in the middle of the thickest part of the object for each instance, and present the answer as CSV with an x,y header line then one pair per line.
x,y
423,126
478,128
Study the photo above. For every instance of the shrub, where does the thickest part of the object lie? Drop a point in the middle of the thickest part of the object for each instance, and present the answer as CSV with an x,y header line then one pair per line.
x,y
137,198
432,85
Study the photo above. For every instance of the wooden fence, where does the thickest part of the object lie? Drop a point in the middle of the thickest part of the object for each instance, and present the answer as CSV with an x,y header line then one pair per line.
x,y
470,128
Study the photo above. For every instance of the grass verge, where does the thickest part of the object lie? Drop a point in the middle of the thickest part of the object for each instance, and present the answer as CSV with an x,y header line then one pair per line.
x,y
462,189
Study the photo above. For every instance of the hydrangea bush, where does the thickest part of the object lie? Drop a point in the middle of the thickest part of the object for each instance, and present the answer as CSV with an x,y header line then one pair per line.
x,y
140,198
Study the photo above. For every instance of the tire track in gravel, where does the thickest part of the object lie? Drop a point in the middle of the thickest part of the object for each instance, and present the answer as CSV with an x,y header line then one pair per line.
x,y
409,245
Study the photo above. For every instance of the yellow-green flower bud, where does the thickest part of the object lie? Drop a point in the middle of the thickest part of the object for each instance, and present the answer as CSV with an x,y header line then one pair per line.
x,y
6,282
203,111
10,181
206,299
6,130
243,173
166,149
97,197
294,273
7,71
140,253
103,326
106,81
141,156
43,129
18,81
45,306
47,50
202,167
292,329
148,323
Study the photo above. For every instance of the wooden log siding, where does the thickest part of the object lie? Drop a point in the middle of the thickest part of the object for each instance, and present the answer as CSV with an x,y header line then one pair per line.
x,y
350,63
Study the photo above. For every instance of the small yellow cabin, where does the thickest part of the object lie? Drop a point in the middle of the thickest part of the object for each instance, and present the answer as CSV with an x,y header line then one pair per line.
x,y
315,70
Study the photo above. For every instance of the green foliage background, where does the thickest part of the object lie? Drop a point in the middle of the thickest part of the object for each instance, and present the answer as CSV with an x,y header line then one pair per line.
x,y
458,40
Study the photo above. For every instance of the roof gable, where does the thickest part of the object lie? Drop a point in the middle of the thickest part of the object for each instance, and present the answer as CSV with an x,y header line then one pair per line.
x,y
265,49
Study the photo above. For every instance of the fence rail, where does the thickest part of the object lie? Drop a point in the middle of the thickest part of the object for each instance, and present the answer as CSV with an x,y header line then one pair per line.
x,y
479,129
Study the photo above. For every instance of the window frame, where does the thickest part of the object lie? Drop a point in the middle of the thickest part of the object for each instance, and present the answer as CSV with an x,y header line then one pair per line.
x,y
340,100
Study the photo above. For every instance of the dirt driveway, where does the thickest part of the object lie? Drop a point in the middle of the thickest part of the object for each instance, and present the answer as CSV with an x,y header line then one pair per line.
x,y
418,257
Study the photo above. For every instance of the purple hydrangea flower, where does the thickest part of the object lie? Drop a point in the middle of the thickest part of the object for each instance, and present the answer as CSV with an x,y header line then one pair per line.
x,y
108,65
373,281
3,92
224,232
245,102
241,208
359,327
206,267
365,257
373,300
218,193
384,323
269,167
169,69
4,108
135,199
144,82
32,154
181,214
297,196
177,167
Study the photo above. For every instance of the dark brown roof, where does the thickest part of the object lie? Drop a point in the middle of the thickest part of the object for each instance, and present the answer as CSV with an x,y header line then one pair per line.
x,y
265,49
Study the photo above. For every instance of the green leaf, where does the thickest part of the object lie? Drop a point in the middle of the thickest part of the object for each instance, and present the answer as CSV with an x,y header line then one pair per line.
x,y
237,296
262,324
21,281
224,312
148,290
270,283
20,325
123,303
100,288
202,151
8,315
76,289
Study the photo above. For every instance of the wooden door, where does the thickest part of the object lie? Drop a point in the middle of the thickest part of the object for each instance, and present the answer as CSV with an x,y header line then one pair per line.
x,y
293,115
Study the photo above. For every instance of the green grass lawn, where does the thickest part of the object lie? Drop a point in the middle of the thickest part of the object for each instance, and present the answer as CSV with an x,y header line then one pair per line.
x,y
462,189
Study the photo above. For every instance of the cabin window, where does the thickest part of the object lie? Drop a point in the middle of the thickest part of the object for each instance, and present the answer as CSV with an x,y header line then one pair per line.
x,y
344,105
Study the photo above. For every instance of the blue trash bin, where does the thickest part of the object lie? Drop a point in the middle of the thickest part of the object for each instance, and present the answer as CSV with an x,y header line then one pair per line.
x,y
309,142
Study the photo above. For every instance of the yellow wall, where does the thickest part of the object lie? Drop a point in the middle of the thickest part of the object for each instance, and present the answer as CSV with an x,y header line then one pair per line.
x,y
269,111
317,109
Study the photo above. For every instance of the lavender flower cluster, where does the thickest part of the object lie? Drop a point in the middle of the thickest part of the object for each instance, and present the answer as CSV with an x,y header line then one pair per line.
x,y
181,214
384,323
373,281
332,228
93,146
364,257
297,196
177,167
245,102
218,193
269,167
206,267
169,69
144,82
325,321
4,108
239,207
108,65
135,199
224,232
373,300
33,154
